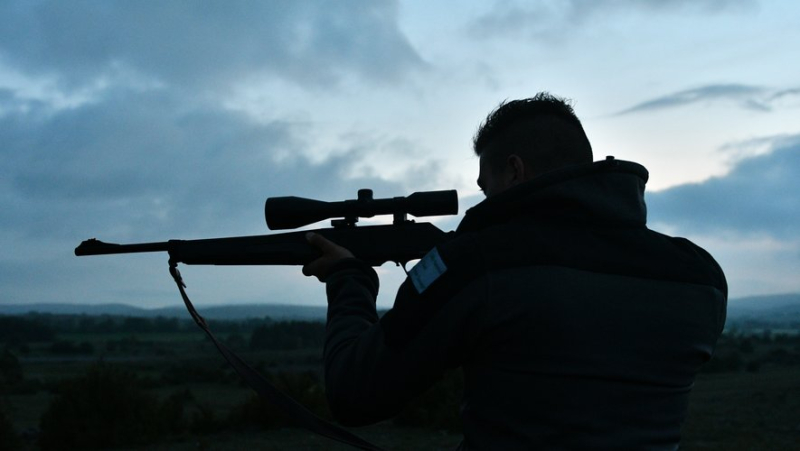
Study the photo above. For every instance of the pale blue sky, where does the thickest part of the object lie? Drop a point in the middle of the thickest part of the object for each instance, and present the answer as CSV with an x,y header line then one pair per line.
x,y
149,120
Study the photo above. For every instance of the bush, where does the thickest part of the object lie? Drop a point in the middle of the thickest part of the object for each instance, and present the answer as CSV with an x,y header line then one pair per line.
x,y
288,335
102,409
724,362
438,408
66,347
17,330
303,387
8,436
171,417
187,372
10,369
205,421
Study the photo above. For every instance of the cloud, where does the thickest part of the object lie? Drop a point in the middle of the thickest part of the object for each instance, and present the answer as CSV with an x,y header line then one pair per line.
x,y
511,20
141,165
207,44
113,125
758,197
745,96
553,21
591,7
146,166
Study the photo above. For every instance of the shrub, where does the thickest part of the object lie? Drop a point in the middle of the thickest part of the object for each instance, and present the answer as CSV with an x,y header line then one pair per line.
x,y
66,347
303,387
10,369
8,436
438,408
16,330
171,412
288,335
103,408
724,362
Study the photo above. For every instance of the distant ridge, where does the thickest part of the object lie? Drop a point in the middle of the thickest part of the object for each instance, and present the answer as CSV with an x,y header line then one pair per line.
x,y
753,304
747,307
227,312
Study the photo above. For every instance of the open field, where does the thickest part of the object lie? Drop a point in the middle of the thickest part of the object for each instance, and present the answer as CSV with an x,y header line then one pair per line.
x,y
748,400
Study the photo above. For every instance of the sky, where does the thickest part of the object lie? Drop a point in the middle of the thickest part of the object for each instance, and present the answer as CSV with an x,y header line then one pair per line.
x,y
137,121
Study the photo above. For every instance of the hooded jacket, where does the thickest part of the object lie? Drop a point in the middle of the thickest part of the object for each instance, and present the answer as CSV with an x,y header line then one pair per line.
x,y
576,326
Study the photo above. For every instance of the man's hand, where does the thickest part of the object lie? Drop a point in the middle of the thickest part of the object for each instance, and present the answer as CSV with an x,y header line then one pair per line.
x,y
331,253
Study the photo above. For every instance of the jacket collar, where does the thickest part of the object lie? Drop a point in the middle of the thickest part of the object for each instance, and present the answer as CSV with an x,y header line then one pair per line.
x,y
607,192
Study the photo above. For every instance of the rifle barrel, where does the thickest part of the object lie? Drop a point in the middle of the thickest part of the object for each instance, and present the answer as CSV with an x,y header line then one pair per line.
x,y
96,247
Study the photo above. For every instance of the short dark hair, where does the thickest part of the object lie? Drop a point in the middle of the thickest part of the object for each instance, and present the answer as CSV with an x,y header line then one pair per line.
x,y
543,130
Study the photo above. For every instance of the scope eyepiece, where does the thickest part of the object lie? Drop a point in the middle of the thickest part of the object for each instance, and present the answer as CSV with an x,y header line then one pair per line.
x,y
293,212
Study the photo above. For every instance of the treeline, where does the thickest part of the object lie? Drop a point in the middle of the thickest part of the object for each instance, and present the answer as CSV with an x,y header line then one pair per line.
x,y
41,326
741,351
15,330
54,334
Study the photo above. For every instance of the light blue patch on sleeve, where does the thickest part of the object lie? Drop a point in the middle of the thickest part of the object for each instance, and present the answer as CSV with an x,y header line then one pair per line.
x,y
424,273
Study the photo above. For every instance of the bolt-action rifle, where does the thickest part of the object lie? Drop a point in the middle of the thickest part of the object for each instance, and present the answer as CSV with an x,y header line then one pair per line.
x,y
400,242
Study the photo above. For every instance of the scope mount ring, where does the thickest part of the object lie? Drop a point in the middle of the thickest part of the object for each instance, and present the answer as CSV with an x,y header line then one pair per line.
x,y
341,223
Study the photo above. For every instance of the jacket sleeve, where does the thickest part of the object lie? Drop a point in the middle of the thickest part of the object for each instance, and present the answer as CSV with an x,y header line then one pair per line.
x,y
366,380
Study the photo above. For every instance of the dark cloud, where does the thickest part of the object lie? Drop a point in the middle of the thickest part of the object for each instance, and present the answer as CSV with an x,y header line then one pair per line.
x,y
591,7
510,20
140,165
555,21
745,96
109,133
200,43
757,197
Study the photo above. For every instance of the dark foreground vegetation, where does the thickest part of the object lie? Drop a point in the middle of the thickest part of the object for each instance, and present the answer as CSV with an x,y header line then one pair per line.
x,y
103,382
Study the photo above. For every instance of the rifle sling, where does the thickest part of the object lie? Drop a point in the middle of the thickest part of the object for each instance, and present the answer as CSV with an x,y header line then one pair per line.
x,y
294,410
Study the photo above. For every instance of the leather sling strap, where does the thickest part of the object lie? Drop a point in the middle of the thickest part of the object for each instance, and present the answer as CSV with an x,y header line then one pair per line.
x,y
294,410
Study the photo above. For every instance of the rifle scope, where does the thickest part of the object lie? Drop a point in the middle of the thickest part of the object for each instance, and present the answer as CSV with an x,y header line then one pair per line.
x,y
292,212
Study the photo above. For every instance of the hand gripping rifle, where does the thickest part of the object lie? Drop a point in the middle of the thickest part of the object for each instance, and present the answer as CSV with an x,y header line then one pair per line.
x,y
400,242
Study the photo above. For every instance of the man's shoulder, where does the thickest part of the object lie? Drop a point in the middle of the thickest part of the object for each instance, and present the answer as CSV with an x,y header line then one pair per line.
x,y
701,260
604,248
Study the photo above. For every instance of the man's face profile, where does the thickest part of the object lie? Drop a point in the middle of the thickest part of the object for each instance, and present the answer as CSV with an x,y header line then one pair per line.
x,y
494,179
488,180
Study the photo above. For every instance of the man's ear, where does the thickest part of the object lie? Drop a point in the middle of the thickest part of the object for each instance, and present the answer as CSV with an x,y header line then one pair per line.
x,y
516,169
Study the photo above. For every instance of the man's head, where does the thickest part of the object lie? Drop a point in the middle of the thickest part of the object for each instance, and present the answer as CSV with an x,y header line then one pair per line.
x,y
525,138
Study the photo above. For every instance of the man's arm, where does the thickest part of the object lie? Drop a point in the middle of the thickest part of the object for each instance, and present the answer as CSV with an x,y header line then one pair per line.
x,y
366,380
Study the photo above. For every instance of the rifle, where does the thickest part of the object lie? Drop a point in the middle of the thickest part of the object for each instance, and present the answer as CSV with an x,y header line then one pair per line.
x,y
400,242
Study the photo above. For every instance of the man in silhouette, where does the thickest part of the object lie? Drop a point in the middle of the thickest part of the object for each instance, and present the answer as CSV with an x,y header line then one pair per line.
x,y
576,326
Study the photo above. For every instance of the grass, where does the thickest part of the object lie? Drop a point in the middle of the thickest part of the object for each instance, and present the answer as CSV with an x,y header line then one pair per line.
x,y
385,435
728,411
745,411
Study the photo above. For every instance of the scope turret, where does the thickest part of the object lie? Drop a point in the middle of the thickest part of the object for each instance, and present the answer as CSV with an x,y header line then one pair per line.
x,y
292,212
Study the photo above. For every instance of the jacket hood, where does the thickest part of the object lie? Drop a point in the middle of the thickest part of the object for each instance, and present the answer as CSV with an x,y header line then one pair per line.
x,y
607,192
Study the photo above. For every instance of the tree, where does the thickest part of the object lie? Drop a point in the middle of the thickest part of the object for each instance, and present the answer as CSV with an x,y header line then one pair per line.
x,y
10,369
103,408
8,436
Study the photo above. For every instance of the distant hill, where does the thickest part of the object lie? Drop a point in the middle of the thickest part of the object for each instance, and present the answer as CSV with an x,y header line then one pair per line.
x,y
781,306
229,312
765,305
